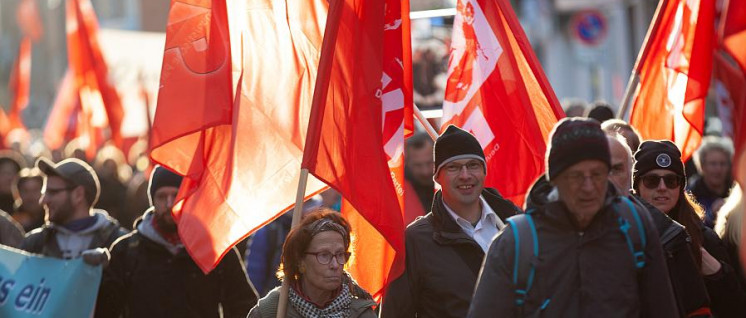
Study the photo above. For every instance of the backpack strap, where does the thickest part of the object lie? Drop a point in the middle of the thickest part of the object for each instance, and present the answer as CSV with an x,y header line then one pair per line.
x,y
526,254
630,223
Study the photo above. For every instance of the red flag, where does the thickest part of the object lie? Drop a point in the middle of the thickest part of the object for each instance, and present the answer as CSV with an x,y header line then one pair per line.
x,y
729,83
61,125
100,104
240,157
497,90
20,84
357,125
27,15
733,30
674,69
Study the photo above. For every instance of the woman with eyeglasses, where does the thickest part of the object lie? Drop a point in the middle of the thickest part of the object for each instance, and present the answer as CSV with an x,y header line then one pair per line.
x,y
313,259
660,180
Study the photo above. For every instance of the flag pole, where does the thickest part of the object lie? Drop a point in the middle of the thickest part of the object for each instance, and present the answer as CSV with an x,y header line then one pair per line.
x,y
312,135
421,118
634,78
285,289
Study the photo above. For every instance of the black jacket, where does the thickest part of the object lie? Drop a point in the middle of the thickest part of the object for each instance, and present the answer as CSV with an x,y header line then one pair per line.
x,y
442,264
588,273
727,296
144,279
686,279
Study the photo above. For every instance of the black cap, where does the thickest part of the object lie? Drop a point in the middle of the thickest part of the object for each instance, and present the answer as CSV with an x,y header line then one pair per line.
x,y
74,171
162,177
454,144
574,140
657,154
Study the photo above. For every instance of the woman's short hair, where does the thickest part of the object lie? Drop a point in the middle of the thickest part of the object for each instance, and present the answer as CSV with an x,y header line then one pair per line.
x,y
299,238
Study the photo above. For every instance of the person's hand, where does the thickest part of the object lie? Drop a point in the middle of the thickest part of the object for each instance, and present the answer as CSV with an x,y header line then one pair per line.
x,y
710,265
96,256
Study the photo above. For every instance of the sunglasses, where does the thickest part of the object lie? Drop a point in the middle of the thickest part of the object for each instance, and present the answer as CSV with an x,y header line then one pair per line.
x,y
671,181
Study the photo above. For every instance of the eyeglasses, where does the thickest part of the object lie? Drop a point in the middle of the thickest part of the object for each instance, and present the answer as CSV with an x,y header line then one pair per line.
x,y
577,178
51,191
471,166
672,181
324,258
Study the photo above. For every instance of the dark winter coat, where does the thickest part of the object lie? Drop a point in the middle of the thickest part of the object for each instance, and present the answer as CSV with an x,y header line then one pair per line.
x,y
442,264
44,240
145,279
582,273
686,280
727,297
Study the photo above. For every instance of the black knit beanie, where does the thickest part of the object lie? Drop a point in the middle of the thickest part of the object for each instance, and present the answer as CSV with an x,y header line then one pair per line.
x,y
162,177
454,144
657,154
573,140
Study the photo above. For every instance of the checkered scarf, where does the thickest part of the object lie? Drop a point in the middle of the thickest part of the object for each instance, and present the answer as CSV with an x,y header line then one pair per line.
x,y
338,308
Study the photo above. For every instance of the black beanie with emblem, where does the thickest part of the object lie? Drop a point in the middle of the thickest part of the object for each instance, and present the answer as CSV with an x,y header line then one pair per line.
x,y
573,140
162,177
657,154
455,144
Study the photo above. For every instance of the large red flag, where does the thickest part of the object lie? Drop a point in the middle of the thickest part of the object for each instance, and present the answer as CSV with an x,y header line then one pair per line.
x,y
732,35
357,126
729,83
100,105
674,69
497,90
20,84
240,156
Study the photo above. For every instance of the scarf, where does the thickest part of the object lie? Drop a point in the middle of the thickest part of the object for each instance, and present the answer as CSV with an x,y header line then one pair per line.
x,y
337,308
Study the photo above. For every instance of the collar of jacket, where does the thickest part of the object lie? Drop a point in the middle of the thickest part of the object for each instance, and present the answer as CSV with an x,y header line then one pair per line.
x,y
447,231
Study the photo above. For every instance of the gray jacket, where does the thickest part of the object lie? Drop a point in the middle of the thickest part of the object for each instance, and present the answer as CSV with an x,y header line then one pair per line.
x,y
587,273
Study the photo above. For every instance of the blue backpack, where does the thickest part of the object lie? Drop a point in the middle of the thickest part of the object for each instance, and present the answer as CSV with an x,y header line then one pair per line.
x,y
527,245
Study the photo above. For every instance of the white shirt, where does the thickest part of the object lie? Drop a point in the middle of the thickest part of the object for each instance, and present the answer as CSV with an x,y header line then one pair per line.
x,y
487,227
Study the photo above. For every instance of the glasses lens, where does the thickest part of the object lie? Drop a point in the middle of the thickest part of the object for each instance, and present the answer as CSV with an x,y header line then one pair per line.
x,y
324,258
671,181
652,181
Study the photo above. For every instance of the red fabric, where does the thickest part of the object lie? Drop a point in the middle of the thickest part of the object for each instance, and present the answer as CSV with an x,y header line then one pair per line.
x,y
240,156
20,84
729,82
100,105
733,30
27,15
62,121
497,90
675,74
356,132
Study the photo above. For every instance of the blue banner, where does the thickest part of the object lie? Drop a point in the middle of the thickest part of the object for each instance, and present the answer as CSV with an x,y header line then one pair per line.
x,y
35,286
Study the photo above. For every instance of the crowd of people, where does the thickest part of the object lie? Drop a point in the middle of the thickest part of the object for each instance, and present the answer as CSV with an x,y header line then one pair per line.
x,y
616,227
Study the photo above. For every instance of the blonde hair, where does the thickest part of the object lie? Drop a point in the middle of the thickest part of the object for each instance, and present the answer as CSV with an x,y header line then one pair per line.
x,y
728,225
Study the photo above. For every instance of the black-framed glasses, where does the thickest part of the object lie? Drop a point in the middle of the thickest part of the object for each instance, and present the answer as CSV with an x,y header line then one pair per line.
x,y
53,191
324,258
471,166
672,181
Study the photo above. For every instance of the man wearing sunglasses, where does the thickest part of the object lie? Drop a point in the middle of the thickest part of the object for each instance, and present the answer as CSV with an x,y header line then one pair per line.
x,y
73,227
445,248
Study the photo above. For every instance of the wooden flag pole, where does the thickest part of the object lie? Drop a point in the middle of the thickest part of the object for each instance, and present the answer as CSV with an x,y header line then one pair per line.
x,y
421,118
634,78
297,211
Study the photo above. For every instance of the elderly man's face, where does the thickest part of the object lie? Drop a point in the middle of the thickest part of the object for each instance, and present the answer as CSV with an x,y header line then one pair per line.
x,y
582,187
715,168
621,169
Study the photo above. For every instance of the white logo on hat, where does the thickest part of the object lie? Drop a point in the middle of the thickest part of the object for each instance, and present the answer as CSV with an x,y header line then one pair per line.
x,y
663,160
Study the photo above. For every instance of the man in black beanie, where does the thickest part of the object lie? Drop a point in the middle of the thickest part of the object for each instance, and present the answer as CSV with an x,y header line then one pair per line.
x,y
151,274
582,249
445,248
